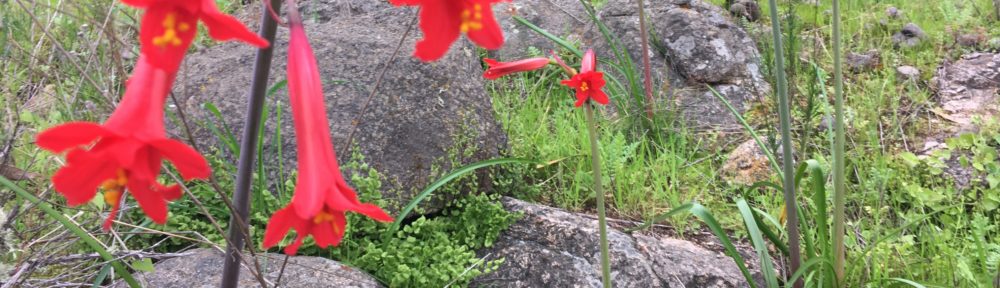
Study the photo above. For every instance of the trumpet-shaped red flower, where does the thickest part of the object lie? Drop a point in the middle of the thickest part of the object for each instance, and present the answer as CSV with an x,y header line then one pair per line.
x,y
498,69
126,152
169,26
589,82
443,20
321,194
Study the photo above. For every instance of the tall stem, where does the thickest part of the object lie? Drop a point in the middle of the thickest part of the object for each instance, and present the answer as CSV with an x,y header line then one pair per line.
x,y
839,188
646,67
788,166
595,156
255,105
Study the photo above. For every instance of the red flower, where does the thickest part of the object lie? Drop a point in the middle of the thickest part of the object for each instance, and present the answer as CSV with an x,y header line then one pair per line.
x,y
169,26
127,150
588,82
321,194
443,20
499,69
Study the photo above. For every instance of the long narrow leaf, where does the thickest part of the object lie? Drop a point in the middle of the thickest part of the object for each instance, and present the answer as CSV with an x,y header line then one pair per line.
x,y
702,213
683,208
444,180
758,243
72,227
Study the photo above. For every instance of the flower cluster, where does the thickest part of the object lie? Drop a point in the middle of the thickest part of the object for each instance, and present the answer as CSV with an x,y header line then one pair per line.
x,y
125,154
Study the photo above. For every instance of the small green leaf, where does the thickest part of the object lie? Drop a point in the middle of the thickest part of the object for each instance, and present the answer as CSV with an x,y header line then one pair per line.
x,y
145,265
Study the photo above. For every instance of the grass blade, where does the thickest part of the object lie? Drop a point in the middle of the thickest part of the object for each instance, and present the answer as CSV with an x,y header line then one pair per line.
x,y
72,227
444,180
758,243
702,213
659,218
550,36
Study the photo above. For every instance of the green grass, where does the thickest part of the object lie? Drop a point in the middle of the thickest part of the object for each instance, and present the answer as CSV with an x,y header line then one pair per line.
x,y
948,236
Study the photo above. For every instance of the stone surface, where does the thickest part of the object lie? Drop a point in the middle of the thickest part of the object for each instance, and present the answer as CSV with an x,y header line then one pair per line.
x,y
911,35
863,62
421,110
563,18
549,247
747,164
968,88
907,73
203,269
748,9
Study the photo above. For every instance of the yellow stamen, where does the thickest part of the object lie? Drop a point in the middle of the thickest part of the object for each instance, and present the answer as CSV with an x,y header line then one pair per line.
x,y
584,86
169,36
472,19
322,217
113,187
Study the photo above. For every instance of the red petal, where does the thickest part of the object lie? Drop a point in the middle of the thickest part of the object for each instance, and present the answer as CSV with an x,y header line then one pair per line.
x,y
139,3
170,193
589,62
223,27
490,36
187,160
277,227
111,216
79,179
312,130
70,135
330,233
152,203
499,69
599,96
439,20
345,199
145,165
167,57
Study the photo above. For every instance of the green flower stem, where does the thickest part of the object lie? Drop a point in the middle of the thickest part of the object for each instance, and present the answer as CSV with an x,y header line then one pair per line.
x,y
595,156
839,188
788,165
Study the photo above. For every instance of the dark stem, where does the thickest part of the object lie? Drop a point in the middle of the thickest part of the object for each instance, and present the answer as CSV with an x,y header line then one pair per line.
x,y
784,111
602,222
647,69
255,105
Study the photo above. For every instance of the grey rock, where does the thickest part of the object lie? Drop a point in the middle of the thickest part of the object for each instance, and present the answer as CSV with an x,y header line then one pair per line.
x,y
893,12
968,87
863,62
550,247
911,35
966,90
971,40
747,9
422,111
907,73
203,269
563,18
